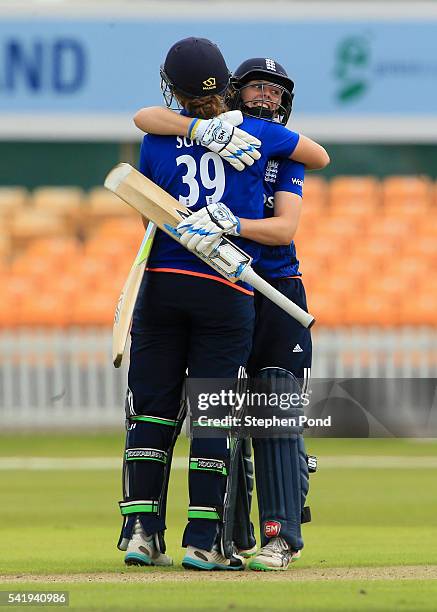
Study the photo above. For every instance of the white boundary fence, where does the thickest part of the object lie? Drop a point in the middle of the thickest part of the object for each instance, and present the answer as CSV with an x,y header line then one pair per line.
x,y
66,378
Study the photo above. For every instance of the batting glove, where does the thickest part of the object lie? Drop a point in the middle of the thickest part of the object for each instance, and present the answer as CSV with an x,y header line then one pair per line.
x,y
220,135
203,230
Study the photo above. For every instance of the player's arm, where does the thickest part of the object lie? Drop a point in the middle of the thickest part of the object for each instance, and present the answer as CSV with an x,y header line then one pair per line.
x,y
310,153
279,229
165,122
162,121
219,134
280,142
202,230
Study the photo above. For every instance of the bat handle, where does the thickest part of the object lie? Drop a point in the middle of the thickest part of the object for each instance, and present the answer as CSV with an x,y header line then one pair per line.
x,y
298,313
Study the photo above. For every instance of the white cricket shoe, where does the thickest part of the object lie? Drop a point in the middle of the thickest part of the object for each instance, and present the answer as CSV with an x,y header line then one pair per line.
x,y
198,559
276,555
144,550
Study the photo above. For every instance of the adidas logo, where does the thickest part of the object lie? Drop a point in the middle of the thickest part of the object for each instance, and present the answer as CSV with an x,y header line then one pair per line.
x,y
298,349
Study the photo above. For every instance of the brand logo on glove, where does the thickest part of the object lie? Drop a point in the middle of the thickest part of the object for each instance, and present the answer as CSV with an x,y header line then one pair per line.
x,y
221,136
272,529
209,83
220,215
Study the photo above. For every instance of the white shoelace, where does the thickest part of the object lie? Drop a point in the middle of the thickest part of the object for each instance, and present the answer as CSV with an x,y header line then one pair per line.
x,y
275,545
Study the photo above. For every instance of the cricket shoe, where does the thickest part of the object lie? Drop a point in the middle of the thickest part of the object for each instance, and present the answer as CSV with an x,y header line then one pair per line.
x,y
144,550
198,559
246,553
276,555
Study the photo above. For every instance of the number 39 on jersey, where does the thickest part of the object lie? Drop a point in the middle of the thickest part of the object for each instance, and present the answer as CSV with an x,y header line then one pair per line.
x,y
208,171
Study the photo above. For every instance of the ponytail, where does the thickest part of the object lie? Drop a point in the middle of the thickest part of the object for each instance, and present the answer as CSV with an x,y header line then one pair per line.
x,y
205,107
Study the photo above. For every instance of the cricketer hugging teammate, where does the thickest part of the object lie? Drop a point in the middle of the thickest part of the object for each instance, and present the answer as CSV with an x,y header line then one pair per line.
x,y
197,312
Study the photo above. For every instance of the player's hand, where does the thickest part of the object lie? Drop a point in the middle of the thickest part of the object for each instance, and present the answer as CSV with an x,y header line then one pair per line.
x,y
202,230
220,135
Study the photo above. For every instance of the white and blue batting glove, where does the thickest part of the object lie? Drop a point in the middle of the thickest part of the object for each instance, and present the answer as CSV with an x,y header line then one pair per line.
x,y
203,230
220,135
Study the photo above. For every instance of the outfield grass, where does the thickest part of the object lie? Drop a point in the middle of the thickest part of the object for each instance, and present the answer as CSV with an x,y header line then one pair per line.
x,y
111,444
382,596
67,523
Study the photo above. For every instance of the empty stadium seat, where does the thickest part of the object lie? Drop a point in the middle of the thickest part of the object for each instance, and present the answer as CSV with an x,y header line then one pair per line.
x,y
89,270
33,224
113,249
371,310
44,310
354,266
407,206
58,200
66,285
37,267
101,204
19,285
389,286
56,248
402,187
12,199
424,247
339,227
409,267
315,191
326,309
419,311
362,209
323,247
354,189
93,310
8,310
5,246
388,226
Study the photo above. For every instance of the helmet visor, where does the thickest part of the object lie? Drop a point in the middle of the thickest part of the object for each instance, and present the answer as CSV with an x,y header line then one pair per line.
x,y
265,100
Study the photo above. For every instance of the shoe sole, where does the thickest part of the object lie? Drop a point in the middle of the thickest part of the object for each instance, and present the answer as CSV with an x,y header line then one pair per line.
x,y
194,564
260,567
137,559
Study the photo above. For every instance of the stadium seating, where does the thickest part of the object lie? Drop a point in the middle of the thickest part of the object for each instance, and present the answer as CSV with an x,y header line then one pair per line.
x,y
367,247
12,199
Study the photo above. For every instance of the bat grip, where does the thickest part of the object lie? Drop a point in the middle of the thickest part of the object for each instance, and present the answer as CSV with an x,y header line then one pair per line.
x,y
298,313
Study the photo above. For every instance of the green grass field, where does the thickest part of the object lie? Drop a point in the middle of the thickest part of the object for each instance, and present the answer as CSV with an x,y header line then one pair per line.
x,y
372,544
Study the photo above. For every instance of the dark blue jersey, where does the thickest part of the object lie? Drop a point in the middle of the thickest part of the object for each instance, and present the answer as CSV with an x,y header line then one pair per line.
x,y
280,175
197,177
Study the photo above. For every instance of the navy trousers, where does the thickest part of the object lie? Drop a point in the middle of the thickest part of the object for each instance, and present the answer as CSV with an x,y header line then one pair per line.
x,y
180,322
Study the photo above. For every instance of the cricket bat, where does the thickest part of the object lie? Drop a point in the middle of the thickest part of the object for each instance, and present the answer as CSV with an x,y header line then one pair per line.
x,y
166,212
128,297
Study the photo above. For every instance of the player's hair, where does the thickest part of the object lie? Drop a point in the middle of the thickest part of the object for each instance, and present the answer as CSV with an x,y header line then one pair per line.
x,y
205,107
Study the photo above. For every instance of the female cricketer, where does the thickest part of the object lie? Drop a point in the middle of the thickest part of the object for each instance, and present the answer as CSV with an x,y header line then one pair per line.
x,y
186,316
282,348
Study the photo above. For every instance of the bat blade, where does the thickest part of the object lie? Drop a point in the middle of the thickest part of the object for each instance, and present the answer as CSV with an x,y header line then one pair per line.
x,y
166,212
128,297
